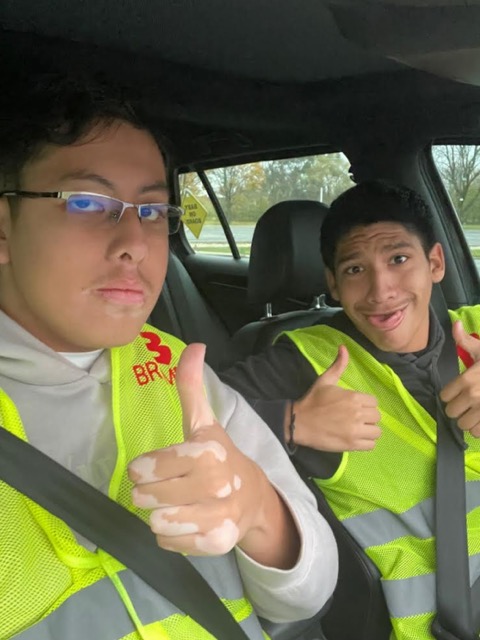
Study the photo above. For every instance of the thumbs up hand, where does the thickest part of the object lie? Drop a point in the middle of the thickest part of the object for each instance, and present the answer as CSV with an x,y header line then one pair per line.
x,y
462,395
206,496
331,418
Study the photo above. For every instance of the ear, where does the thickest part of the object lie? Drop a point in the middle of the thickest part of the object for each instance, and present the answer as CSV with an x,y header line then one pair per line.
x,y
332,284
5,230
436,258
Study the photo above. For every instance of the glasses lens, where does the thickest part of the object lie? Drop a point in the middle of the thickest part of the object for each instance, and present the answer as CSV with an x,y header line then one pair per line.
x,y
174,221
159,213
93,204
153,212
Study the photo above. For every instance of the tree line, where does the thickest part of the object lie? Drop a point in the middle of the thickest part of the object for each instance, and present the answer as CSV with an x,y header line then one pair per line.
x,y
247,191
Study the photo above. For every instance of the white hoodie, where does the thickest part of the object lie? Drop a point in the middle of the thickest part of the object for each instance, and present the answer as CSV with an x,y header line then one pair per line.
x,y
66,413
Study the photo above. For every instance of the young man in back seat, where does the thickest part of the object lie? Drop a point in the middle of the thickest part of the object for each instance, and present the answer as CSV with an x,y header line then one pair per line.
x,y
84,225
361,389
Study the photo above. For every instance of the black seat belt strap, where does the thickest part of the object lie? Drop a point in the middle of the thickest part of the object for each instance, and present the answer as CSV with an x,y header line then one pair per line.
x,y
454,619
476,605
115,530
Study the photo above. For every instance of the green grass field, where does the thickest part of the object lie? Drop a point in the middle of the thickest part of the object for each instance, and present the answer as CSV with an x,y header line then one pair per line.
x,y
221,249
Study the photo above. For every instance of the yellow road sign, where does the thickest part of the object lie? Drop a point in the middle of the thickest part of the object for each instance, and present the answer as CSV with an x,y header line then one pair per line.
x,y
195,213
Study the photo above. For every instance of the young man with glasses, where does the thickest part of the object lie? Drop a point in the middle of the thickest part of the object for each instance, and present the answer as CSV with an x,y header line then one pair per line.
x,y
84,225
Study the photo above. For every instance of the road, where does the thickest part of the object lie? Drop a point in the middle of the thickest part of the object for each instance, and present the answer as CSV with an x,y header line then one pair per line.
x,y
213,234
473,237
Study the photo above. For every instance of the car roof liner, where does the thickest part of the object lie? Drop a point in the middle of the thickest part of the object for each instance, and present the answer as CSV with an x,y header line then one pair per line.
x,y
229,95
277,41
439,37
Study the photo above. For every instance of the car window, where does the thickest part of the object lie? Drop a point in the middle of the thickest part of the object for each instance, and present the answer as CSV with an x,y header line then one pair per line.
x,y
459,168
245,191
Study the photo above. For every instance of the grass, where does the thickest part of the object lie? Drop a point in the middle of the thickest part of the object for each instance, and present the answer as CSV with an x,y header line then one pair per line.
x,y
220,249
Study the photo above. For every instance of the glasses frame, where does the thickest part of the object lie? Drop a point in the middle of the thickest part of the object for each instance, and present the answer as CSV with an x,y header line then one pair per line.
x,y
174,212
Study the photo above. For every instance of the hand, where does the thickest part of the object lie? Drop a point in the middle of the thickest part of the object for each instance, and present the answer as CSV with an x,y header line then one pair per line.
x,y
206,495
462,395
330,418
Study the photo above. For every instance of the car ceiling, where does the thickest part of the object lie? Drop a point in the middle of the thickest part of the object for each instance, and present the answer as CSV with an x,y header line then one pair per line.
x,y
279,41
234,77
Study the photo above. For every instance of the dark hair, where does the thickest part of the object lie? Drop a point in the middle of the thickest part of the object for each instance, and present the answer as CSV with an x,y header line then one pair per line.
x,y
370,202
55,109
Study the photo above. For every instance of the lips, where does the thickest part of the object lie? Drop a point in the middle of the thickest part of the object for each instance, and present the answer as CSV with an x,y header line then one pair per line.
x,y
130,293
387,321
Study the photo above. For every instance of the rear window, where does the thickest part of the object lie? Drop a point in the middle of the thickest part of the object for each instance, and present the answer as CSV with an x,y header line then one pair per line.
x,y
245,191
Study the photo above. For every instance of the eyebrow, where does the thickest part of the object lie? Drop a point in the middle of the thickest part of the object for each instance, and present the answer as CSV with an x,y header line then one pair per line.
x,y
401,244
159,185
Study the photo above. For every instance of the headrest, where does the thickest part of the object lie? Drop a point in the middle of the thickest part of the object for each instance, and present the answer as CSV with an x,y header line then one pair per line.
x,y
285,258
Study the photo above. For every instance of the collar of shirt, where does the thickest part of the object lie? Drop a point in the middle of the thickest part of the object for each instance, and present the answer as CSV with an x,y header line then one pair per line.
x,y
422,359
26,359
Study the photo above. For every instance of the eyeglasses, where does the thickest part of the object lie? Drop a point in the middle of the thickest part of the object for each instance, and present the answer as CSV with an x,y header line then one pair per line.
x,y
99,208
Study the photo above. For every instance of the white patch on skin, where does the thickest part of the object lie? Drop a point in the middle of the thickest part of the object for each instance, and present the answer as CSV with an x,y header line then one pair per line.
x,y
237,482
144,467
163,526
225,491
146,500
219,540
195,449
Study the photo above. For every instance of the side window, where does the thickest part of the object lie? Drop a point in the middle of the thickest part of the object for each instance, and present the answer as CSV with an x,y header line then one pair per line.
x,y
459,168
244,192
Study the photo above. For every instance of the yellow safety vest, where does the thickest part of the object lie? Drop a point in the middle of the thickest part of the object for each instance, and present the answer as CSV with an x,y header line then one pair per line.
x,y
385,497
51,587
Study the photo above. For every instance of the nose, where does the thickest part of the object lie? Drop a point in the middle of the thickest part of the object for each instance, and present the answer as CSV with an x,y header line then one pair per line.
x,y
381,286
129,238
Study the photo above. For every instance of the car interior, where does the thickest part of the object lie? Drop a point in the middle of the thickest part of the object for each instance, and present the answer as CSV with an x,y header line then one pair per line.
x,y
369,89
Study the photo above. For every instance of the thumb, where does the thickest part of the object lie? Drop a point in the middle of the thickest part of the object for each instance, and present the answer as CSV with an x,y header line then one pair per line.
x,y
465,341
196,410
333,374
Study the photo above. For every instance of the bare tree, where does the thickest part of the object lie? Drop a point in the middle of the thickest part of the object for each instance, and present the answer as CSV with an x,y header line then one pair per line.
x,y
459,167
190,182
285,179
231,182
328,176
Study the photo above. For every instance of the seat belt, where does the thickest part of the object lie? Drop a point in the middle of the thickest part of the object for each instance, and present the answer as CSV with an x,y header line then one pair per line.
x,y
115,530
455,599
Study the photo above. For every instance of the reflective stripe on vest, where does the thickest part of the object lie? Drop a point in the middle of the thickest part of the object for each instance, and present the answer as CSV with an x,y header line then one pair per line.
x,y
384,497
382,526
53,586
416,595
98,612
